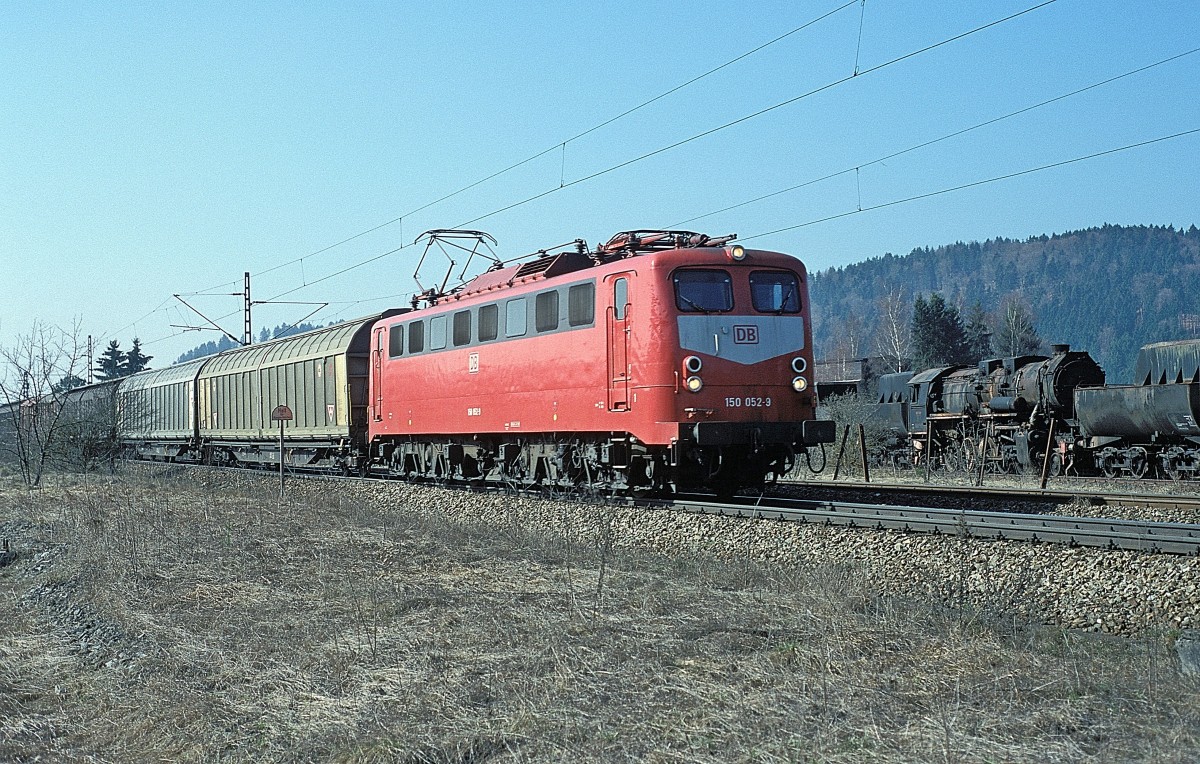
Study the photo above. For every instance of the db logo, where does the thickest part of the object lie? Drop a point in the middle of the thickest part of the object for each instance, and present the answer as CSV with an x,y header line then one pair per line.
x,y
745,335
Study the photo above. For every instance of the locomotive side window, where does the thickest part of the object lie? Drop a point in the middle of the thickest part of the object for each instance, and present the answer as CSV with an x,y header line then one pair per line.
x,y
581,304
703,291
620,298
395,341
545,309
775,292
462,328
437,332
516,321
416,336
488,323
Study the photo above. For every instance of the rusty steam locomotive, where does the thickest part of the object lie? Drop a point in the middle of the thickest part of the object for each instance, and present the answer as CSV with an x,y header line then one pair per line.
x,y
1024,413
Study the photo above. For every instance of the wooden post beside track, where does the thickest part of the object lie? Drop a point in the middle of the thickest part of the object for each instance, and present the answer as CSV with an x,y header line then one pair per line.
x,y
983,450
1046,458
283,415
928,448
862,448
837,467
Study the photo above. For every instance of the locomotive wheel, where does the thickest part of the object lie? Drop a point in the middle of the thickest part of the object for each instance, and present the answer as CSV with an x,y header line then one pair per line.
x,y
1169,468
1108,467
1055,468
1139,462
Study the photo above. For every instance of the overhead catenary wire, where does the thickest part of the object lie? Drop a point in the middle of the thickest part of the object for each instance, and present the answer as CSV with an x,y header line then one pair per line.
x,y
557,146
939,192
755,115
677,144
862,209
931,142
973,184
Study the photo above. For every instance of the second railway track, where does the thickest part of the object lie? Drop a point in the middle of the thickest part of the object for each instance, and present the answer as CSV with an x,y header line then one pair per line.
x,y
1108,533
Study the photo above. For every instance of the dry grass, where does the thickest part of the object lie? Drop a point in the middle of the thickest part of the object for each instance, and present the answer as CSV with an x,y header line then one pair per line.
x,y
154,620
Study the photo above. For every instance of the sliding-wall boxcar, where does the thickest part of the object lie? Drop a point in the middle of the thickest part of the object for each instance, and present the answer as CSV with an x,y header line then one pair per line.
x,y
157,412
321,376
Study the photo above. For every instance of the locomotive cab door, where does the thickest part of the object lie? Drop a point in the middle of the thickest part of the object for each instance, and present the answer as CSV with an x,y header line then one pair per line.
x,y
377,375
617,320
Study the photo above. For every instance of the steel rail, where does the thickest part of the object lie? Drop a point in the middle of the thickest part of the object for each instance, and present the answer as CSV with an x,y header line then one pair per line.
x,y
1105,533
1049,495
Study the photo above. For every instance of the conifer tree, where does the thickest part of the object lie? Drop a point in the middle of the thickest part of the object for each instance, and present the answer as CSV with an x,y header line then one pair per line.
x,y
112,362
978,334
938,337
68,383
135,360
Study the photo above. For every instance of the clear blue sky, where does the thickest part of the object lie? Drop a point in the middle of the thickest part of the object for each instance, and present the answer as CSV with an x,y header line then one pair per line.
x,y
148,149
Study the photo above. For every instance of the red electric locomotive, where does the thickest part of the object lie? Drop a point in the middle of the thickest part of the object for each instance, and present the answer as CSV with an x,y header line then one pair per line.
x,y
663,359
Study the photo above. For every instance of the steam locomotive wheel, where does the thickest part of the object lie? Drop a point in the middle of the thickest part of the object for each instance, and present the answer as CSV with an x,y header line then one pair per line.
x,y
1056,466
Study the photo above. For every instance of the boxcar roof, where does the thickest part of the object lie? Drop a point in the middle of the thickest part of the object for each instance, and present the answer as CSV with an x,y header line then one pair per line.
x,y
180,372
338,339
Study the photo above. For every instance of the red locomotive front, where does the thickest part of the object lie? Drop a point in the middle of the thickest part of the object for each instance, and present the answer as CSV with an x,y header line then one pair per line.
x,y
662,359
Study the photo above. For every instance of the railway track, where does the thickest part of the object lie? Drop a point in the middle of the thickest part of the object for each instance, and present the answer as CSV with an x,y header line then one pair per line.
x,y
1105,533
1093,532
1098,497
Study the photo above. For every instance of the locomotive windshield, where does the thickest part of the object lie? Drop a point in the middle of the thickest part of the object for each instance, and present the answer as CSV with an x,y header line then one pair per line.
x,y
703,291
775,292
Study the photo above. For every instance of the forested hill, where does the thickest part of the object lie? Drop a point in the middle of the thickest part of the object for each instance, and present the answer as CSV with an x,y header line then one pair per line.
x,y
1108,290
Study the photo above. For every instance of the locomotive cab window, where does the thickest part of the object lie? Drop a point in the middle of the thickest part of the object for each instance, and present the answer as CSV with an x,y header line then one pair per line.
x,y
545,309
703,291
488,324
395,341
775,292
416,336
462,328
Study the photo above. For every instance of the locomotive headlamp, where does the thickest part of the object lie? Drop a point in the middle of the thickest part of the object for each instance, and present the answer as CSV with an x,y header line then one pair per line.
x,y
799,364
694,384
799,384
693,364
737,252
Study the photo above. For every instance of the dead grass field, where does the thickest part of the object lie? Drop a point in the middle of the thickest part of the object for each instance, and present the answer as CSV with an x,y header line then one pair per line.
x,y
158,619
